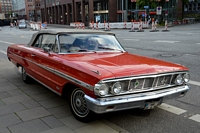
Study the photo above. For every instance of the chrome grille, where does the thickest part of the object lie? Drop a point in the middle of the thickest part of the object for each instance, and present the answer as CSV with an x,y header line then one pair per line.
x,y
163,80
151,82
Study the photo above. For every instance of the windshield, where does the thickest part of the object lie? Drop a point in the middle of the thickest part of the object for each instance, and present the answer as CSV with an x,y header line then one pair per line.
x,y
22,23
71,43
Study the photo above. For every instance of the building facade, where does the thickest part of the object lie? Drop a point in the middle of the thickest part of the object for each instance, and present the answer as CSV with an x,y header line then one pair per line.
x,y
26,9
37,11
19,9
30,7
6,8
68,11
192,9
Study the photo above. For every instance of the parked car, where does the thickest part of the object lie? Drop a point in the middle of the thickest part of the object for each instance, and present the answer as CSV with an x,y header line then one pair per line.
x,y
22,25
96,74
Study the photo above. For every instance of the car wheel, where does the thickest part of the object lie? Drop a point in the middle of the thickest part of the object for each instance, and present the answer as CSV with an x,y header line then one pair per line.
x,y
25,77
79,107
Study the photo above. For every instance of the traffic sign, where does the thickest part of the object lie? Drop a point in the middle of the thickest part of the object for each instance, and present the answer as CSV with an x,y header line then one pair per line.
x,y
146,7
159,10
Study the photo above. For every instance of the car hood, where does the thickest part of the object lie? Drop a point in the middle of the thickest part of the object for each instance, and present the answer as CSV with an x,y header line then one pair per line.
x,y
123,64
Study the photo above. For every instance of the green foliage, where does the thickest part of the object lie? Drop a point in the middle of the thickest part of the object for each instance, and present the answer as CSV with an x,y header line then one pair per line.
x,y
185,2
152,3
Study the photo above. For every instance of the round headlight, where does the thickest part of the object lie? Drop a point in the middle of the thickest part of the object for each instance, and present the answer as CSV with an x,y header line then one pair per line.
x,y
179,80
103,90
186,77
116,88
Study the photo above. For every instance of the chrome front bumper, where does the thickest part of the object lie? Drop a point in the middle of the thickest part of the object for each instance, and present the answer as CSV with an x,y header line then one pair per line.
x,y
109,104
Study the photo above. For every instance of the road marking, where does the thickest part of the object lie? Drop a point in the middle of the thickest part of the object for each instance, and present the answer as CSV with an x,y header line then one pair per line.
x,y
195,118
4,52
172,109
198,43
166,41
192,33
132,39
6,42
138,34
194,83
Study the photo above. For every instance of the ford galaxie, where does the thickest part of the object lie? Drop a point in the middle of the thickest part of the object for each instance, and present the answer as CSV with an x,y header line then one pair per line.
x,y
95,73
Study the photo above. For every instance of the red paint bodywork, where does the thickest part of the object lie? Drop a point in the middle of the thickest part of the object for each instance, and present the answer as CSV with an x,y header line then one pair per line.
x,y
82,65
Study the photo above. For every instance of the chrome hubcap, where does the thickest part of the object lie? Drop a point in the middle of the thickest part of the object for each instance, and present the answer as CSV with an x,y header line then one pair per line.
x,y
79,103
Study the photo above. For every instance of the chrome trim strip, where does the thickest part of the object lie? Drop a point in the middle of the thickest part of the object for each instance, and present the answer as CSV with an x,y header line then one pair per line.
x,y
45,85
72,79
143,84
154,80
171,78
141,76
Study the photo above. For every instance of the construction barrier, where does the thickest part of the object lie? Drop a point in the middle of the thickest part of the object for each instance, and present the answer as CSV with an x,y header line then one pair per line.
x,y
97,26
124,24
132,26
166,26
140,27
113,25
107,28
154,24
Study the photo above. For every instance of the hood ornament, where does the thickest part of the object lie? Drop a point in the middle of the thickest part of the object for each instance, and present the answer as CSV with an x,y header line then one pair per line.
x,y
95,71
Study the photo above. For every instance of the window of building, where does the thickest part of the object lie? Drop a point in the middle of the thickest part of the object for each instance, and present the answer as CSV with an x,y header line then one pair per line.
x,y
194,7
189,7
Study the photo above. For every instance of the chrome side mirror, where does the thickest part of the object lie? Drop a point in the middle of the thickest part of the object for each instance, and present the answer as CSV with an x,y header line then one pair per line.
x,y
47,50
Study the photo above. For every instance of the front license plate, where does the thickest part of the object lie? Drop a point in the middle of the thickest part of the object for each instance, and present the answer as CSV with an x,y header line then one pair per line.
x,y
151,105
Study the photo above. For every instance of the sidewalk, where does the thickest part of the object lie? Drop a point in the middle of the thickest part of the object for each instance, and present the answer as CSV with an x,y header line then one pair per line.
x,y
32,108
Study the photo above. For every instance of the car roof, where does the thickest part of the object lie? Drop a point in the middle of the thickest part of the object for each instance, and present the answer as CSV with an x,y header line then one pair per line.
x,y
68,31
58,31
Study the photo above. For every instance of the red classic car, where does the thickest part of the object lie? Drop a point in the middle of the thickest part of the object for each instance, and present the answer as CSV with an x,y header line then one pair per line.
x,y
96,74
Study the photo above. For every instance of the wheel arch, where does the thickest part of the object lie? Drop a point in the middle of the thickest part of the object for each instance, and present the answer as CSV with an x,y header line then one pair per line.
x,y
67,89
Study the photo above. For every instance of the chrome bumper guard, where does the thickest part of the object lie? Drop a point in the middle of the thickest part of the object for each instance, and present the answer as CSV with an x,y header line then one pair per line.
x,y
116,103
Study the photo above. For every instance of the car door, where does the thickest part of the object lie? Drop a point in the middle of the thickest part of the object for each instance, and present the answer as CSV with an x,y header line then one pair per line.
x,y
46,62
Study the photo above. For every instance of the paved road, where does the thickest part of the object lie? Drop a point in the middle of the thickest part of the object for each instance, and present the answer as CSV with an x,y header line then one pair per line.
x,y
19,101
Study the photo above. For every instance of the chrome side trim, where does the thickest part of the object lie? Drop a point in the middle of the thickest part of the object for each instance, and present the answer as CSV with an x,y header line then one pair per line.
x,y
70,78
45,85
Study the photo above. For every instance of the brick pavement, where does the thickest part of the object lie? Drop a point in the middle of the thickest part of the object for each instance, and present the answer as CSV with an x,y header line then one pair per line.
x,y
32,108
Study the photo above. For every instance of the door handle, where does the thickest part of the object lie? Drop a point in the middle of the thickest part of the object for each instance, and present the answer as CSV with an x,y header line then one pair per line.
x,y
32,55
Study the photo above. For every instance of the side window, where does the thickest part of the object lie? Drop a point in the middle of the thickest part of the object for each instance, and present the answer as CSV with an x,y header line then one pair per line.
x,y
48,41
66,42
55,48
38,42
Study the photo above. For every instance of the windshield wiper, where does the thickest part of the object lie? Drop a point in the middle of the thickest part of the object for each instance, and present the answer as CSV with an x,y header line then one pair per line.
x,y
108,48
